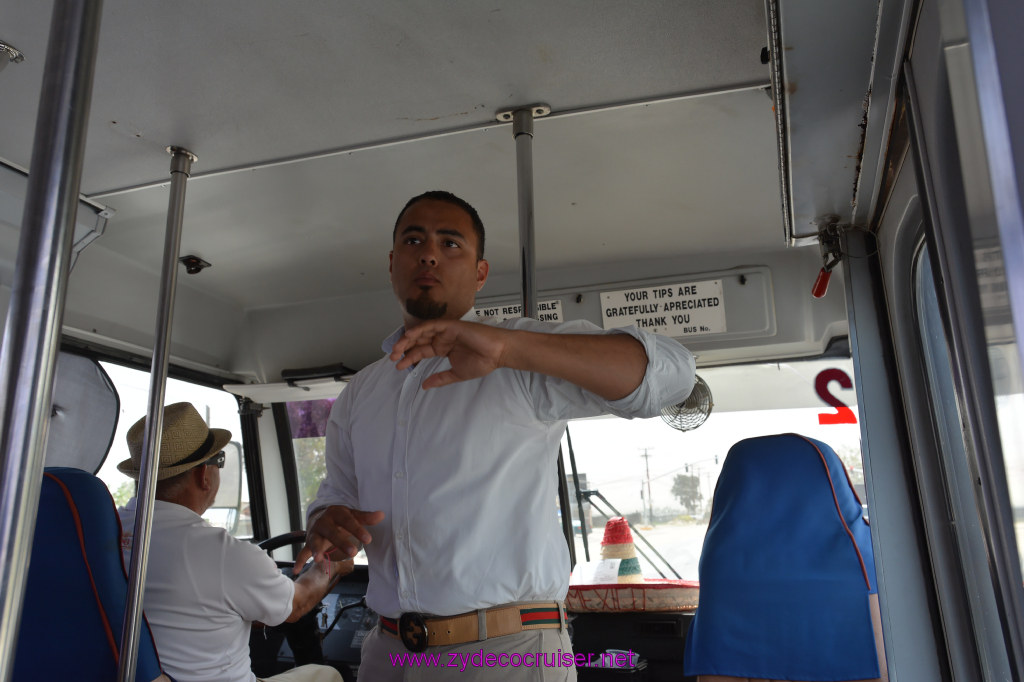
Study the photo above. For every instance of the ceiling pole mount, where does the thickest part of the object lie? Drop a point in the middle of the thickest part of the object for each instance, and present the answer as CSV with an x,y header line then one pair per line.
x,y
522,130
181,169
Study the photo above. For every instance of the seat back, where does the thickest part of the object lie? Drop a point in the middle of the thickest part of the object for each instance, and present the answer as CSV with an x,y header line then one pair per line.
x,y
77,587
787,572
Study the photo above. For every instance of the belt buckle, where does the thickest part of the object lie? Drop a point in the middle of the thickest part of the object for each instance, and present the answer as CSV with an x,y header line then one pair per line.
x,y
412,630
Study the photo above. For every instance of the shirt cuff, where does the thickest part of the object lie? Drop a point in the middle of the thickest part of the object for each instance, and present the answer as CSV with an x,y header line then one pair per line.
x,y
663,367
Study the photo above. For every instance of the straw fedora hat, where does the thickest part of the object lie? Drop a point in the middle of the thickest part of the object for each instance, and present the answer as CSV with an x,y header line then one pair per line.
x,y
186,442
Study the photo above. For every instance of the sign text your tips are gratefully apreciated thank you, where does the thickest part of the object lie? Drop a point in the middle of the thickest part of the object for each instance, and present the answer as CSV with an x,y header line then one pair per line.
x,y
670,309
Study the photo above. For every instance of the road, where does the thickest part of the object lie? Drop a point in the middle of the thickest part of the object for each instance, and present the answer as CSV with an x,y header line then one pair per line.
x,y
678,541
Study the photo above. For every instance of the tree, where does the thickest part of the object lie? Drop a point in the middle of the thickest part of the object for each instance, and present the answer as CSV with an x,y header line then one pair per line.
x,y
308,422
853,461
311,466
686,488
123,493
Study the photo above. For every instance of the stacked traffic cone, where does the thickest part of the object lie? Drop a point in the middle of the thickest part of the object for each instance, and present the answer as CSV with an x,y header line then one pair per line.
x,y
618,544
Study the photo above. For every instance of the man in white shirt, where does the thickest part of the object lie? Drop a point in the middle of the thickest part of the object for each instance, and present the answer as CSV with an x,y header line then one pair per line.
x,y
441,459
205,588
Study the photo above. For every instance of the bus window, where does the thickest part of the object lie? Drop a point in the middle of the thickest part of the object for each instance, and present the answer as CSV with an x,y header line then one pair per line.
x,y
1004,364
662,480
230,510
1006,380
1009,408
307,421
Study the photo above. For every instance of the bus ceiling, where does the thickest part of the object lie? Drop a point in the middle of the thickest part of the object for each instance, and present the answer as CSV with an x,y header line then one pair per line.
x,y
672,154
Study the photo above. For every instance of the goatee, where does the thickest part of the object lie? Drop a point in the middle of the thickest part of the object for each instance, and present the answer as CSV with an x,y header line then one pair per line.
x,y
425,309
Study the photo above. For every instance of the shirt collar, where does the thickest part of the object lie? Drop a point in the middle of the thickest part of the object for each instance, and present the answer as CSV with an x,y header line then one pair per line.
x,y
170,507
390,342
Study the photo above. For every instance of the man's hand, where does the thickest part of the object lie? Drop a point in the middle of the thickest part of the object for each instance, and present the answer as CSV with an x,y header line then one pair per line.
x,y
609,365
337,528
335,569
314,584
473,349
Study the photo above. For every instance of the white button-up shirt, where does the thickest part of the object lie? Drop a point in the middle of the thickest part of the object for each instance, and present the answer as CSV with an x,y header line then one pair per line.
x,y
204,589
466,474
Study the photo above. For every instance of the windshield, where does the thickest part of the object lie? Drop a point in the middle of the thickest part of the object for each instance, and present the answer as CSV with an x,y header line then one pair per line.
x,y
230,510
663,480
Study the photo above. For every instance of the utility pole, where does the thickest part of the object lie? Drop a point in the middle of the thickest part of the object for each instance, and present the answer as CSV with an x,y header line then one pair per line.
x,y
650,501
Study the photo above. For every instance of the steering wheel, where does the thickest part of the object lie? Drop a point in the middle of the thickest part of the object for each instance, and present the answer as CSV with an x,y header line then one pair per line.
x,y
304,636
293,537
298,537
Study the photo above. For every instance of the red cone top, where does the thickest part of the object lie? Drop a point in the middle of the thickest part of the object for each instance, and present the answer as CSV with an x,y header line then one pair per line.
x,y
616,532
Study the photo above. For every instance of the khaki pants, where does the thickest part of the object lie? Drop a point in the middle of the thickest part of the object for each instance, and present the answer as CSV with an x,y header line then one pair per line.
x,y
517,658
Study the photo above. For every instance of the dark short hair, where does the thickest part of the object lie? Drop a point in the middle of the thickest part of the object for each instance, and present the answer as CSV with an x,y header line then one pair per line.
x,y
441,195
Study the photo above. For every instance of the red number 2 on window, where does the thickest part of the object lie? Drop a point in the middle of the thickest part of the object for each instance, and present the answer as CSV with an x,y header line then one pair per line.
x,y
843,414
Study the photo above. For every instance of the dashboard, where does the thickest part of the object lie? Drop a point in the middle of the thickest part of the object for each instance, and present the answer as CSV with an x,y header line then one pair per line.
x,y
276,649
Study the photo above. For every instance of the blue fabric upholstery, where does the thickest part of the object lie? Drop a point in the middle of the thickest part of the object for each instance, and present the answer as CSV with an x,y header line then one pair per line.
x,y
76,592
786,569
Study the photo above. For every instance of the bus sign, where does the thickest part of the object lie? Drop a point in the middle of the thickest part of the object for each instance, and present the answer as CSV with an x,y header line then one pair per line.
x,y
677,310
547,311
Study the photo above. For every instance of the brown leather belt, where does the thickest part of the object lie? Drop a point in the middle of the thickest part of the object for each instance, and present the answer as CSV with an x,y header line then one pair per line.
x,y
418,631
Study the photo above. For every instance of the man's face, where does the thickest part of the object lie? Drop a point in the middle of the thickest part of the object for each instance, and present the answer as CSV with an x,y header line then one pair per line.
x,y
212,473
434,269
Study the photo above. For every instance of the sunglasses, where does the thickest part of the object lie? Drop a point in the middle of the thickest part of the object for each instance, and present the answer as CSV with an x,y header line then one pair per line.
x,y
217,460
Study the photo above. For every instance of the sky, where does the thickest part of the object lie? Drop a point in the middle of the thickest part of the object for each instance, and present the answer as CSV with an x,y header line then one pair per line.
x,y
219,408
610,450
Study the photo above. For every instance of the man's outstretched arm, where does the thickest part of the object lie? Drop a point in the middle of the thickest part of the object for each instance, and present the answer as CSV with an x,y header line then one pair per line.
x,y
609,365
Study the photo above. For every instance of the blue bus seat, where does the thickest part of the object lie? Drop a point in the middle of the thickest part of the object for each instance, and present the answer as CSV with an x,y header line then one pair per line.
x,y
76,588
787,575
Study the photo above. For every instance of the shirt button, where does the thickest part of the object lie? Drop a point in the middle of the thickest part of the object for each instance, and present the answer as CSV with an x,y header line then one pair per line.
x,y
399,474
405,594
399,535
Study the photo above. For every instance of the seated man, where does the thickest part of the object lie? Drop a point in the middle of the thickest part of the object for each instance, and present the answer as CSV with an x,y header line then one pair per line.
x,y
205,588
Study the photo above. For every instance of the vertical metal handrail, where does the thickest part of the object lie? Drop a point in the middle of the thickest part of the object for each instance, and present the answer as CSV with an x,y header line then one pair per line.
x,y
522,130
32,332
181,166
584,530
566,507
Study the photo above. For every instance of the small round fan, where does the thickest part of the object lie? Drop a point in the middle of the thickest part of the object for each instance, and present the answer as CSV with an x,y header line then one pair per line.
x,y
693,411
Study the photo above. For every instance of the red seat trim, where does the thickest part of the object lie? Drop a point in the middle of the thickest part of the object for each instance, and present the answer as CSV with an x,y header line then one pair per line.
x,y
839,512
85,558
